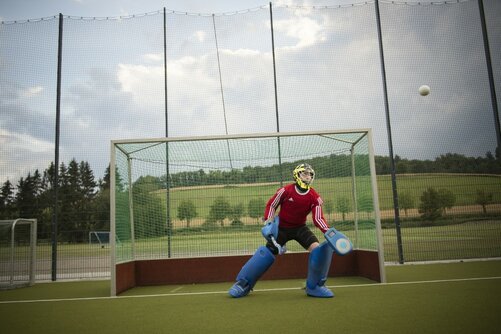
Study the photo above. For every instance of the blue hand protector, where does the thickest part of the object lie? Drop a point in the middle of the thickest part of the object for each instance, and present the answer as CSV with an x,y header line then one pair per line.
x,y
270,233
270,229
338,241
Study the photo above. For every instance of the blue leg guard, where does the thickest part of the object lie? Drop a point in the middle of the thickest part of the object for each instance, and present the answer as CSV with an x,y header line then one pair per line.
x,y
319,263
255,267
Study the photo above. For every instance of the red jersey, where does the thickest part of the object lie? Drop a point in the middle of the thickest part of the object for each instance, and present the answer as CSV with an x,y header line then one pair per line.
x,y
295,207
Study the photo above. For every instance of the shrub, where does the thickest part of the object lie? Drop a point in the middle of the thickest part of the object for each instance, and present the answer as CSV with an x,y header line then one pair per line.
x,y
430,207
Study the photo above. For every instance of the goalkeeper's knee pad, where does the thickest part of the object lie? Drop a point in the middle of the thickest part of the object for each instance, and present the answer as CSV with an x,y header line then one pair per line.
x,y
319,263
255,267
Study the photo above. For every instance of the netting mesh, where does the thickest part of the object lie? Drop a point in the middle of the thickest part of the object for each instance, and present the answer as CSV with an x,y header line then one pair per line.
x,y
220,78
213,200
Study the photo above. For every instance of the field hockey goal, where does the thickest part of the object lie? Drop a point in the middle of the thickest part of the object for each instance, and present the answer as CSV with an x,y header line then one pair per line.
x,y
18,240
101,238
188,210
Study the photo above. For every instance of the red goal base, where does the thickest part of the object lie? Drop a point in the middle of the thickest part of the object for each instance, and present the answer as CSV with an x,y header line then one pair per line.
x,y
225,269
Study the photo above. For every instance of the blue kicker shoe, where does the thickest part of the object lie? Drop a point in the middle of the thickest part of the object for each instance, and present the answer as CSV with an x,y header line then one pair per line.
x,y
320,291
240,289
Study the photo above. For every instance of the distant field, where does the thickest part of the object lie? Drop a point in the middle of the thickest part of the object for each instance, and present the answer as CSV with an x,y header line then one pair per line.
x,y
463,186
474,239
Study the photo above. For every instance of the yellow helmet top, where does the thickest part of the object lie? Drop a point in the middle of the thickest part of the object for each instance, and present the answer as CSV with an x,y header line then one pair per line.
x,y
300,169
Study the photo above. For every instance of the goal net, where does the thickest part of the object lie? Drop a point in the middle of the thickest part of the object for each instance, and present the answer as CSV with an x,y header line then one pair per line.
x,y
17,252
205,196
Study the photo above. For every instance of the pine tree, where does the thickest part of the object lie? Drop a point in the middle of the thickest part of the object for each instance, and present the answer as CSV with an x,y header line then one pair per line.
x,y
88,193
7,200
26,197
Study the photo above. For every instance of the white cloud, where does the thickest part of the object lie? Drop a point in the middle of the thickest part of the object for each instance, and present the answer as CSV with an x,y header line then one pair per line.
x,y
154,57
305,30
200,35
32,91
241,52
22,154
23,142
144,83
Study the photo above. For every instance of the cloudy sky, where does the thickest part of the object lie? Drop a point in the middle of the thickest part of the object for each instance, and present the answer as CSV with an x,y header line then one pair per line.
x,y
327,63
13,10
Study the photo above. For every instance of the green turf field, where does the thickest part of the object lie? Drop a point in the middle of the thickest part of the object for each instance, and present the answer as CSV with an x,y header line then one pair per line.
x,y
462,297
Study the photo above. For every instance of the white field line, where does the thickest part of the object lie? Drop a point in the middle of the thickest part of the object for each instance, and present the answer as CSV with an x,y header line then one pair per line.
x,y
258,290
176,289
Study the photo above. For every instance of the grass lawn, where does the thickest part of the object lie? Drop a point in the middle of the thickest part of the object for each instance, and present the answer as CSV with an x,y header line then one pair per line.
x,y
463,186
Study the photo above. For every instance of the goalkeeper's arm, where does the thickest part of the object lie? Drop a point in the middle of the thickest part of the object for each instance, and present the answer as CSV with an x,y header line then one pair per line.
x,y
318,218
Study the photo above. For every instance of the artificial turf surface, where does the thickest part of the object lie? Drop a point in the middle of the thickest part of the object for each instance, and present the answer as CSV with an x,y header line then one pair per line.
x,y
437,298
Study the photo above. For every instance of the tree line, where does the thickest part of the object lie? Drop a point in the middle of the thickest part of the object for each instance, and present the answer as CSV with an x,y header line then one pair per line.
x,y
448,163
83,201
332,166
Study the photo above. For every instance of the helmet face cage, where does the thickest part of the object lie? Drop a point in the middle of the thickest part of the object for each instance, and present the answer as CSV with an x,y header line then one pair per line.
x,y
297,175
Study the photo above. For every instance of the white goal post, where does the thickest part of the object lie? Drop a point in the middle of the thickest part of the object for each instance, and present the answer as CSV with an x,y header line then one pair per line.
x,y
187,201
18,241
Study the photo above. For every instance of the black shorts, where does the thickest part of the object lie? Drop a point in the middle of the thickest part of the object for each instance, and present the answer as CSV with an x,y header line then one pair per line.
x,y
303,235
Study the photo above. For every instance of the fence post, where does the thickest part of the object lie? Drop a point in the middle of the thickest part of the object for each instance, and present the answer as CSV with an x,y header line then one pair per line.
x,y
390,141
491,77
276,94
56,151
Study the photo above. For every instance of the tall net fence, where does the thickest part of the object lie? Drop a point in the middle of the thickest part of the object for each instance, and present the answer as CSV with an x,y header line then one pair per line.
x,y
279,69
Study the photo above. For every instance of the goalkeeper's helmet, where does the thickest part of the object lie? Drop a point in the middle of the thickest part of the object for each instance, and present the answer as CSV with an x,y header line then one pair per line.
x,y
303,175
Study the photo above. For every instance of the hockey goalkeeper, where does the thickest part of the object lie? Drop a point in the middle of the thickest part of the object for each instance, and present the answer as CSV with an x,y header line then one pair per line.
x,y
296,201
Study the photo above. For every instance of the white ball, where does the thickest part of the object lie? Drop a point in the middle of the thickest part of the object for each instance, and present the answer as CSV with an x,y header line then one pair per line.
x,y
424,90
